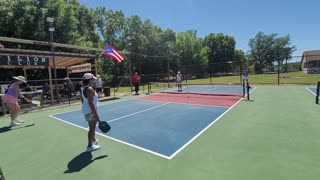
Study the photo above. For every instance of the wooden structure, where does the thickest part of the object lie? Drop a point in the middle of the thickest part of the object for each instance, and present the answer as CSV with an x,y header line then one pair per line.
x,y
34,59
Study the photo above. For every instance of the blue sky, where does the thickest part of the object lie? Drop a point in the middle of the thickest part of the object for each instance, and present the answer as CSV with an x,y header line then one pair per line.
x,y
240,19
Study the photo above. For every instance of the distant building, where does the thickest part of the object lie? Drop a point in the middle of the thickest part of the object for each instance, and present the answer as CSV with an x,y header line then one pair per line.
x,y
310,62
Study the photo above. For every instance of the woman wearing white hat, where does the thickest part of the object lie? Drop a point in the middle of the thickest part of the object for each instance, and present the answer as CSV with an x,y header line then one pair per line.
x,y
89,99
11,96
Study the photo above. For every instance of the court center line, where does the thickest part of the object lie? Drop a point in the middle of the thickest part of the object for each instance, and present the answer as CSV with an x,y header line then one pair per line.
x,y
138,112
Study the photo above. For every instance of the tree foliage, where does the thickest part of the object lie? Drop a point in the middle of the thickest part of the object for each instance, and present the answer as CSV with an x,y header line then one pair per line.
x,y
148,49
268,49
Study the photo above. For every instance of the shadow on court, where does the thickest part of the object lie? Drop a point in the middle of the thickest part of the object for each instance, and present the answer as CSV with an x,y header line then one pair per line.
x,y
81,161
9,128
249,100
108,99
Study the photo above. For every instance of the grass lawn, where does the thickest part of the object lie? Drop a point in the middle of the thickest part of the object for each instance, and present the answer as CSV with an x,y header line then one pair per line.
x,y
270,78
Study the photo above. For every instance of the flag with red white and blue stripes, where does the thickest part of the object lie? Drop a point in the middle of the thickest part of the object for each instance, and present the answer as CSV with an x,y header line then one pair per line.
x,y
113,53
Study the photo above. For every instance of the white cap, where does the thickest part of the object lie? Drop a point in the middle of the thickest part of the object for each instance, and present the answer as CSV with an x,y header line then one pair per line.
x,y
178,72
88,76
20,78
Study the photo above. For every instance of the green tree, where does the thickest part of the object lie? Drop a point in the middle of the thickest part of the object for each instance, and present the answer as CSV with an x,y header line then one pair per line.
x,y
110,25
268,49
283,50
168,41
18,18
185,46
221,52
240,59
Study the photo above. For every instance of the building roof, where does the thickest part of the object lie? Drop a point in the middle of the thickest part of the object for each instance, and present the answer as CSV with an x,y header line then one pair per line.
x,y
311,55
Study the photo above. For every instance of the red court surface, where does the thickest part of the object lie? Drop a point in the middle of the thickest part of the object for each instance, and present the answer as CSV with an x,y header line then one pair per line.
x,y
197,99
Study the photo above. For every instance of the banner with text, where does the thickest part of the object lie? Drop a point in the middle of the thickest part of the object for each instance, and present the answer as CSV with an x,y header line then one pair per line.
x,y
24,61
81,68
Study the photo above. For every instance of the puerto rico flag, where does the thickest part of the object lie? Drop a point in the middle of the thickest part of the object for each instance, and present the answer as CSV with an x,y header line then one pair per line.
x,y
113,53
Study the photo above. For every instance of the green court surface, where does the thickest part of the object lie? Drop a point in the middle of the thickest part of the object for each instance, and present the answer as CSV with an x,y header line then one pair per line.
x,y
274,137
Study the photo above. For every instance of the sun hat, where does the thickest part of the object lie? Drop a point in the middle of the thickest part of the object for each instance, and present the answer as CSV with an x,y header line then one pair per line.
x,y
88,76
20,78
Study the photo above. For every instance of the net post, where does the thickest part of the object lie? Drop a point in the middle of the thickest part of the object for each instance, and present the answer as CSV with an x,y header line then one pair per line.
x,y
248,91
149,88
243,88
143,87
317,96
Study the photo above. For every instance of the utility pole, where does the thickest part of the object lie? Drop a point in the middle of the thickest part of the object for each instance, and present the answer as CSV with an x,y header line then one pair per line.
x,y
130,63
51,30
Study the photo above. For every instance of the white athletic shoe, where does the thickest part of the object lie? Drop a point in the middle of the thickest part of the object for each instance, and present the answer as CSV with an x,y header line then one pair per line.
x,y
92,148
95,142
13,123
19,121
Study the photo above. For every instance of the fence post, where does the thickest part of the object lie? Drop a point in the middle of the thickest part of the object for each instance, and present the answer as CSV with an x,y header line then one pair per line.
x,y
243,88
317,96
248,91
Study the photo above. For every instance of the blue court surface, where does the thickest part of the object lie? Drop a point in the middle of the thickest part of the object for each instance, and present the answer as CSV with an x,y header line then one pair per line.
x,y
313,90
160,128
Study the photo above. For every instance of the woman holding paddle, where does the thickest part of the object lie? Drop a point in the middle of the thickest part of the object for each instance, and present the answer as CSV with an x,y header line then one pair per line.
x,y
10,98
89,99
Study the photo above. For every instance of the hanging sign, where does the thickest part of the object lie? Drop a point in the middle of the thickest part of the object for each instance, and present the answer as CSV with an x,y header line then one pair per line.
x,y
81,68
24,61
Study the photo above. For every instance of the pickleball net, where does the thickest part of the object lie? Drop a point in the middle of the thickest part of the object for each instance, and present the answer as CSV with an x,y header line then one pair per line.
x,y
201,94
158,88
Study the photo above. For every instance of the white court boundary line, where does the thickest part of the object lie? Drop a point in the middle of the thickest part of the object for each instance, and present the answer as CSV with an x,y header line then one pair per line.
x,y
138,112
183,103
208,90
114,139
117,140
146,150
203,130
311,91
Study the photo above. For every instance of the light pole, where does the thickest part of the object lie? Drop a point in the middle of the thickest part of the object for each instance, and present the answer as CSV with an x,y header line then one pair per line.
x,y
278,60
130,65
170,54
51,30
240,74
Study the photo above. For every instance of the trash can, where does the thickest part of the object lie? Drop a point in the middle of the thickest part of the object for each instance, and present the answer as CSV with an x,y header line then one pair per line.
x,y
106,91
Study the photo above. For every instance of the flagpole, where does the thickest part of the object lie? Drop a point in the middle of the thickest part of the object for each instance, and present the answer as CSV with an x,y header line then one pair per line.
x,y
130,71
118,57
114,81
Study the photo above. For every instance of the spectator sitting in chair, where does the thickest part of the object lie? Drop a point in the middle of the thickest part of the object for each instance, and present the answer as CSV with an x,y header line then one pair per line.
x,y
46,91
